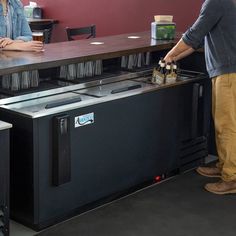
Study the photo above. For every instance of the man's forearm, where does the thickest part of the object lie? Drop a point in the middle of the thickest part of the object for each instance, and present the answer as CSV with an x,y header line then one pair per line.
x,y
184,54
180,47
179,51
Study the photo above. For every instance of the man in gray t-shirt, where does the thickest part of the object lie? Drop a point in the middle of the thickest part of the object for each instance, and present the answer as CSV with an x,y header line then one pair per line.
x,y
216,27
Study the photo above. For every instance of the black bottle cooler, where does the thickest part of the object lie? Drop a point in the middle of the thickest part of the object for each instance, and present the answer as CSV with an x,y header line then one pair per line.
x,y
72,149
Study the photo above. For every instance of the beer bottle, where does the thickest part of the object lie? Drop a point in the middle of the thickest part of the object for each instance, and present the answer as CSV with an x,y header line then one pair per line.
x,y
156,71
168,72
154,75
162,69
174,68
168,68
159,64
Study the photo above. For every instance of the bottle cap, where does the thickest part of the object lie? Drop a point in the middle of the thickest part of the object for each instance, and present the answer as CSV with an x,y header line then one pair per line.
x,y
162,64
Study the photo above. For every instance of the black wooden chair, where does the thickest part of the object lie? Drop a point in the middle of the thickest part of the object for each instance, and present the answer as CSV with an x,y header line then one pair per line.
x,y
46,28
88,31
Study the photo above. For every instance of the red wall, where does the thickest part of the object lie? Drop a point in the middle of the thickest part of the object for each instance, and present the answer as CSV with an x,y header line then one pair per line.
x,y
116,16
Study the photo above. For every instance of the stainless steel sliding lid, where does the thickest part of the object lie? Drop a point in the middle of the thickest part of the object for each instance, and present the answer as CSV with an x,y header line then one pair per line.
x,y
44,105
113,88
5,125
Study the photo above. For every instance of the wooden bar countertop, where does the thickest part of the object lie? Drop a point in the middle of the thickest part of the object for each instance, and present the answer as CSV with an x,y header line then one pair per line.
x,y
56,54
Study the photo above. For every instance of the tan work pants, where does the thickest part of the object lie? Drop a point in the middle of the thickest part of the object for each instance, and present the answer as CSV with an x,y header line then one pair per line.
x,y
224,115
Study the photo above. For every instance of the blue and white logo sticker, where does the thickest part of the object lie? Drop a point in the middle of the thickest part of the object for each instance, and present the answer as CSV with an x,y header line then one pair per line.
x,y
83,120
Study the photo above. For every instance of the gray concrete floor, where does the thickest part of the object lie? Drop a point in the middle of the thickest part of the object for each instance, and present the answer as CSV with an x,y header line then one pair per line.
x,y
180,206
17,229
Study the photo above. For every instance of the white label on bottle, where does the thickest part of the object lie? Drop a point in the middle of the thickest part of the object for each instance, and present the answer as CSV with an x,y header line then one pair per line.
x,y
86,119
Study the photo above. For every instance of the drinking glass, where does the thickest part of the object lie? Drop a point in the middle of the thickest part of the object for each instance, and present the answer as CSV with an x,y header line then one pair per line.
x,y
15,81
135,60
25,80
148,59
34,80
140,60
63,72
130,62
124,60
71,75
38,36
6,81
88,69
80,70
98,67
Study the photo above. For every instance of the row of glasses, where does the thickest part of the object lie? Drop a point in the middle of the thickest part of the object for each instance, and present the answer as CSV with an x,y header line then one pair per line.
x,y
20,80
133,61
81,70
6,81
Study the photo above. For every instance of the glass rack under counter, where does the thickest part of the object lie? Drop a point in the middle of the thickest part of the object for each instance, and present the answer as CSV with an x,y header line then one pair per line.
x,y
76,62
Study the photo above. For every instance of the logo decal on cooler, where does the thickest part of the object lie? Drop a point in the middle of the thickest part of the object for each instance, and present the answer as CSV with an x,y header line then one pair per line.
x,y
85,119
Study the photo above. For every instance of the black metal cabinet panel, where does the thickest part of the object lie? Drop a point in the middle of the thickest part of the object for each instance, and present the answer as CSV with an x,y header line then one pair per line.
x,y
128,143
23,167
4,182
196,62
132,140
194,123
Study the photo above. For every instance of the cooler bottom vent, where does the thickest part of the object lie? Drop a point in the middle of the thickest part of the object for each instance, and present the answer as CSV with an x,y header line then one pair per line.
x,y
192,152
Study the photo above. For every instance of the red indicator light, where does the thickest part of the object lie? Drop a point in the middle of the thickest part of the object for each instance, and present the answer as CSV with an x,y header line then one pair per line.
x,y
158,178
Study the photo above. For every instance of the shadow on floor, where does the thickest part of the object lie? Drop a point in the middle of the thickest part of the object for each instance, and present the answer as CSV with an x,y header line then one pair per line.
x,y
177,207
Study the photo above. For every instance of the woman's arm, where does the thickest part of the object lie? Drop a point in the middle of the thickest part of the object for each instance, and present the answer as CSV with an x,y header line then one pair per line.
x,y
30,46
4,40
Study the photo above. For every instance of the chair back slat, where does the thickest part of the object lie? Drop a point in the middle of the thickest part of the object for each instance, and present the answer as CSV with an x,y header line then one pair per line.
x,y
90,31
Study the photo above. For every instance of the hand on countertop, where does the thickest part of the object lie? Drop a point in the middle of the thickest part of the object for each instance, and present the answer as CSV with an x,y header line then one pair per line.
x,y
30,46
5,41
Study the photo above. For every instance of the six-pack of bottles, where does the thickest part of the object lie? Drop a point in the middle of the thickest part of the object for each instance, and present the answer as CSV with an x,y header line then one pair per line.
x,y
164,72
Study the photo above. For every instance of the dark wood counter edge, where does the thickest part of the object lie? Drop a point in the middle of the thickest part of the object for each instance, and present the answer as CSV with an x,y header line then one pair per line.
x,y
45,65
165,45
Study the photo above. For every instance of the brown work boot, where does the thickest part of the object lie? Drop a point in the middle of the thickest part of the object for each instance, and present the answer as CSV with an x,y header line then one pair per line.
x,y
221,187
209,171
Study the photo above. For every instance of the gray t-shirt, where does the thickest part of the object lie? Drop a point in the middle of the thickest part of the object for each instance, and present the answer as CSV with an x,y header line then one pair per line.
x,y
216,25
